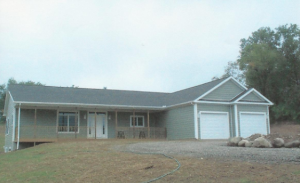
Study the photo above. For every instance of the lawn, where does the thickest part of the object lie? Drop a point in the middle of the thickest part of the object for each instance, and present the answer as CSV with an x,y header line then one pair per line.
x,y
99,161
2,137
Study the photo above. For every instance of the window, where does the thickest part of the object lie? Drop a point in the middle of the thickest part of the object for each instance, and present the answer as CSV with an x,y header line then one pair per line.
x,y
7,127
67,122
139,121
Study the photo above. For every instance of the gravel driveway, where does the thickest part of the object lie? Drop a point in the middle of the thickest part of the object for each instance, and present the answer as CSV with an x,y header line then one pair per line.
x,y
218,150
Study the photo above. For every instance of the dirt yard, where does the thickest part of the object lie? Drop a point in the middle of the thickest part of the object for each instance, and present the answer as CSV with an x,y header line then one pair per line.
x,y
111,161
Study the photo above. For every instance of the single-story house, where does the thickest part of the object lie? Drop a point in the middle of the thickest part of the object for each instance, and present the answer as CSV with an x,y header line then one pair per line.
x,y
218,109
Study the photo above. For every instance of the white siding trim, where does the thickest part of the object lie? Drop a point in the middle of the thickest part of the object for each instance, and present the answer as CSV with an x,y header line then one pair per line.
x,y
196,121
268,118
259,94
236,121
19,116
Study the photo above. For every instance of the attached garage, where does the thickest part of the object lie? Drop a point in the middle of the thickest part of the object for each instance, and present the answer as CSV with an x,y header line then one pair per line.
x,y
252,122
214,125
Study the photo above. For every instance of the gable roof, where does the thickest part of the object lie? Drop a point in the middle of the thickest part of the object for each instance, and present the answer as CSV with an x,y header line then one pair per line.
x,y
68,95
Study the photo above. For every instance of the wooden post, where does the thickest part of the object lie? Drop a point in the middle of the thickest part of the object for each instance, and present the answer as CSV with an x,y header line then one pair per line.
x,y
35,110
95,125
148,121
133,121
116,120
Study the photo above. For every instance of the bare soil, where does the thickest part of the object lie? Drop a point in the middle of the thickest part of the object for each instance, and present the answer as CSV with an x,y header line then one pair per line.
x,y
99,161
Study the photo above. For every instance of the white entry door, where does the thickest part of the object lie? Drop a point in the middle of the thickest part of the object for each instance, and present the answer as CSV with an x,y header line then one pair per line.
x,y
214,125
98,128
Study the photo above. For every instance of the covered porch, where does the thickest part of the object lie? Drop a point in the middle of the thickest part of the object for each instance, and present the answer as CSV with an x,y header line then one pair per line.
x,y
50,124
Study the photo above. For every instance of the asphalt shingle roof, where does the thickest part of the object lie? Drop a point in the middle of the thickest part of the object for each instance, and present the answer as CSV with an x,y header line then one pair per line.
x,y
50,94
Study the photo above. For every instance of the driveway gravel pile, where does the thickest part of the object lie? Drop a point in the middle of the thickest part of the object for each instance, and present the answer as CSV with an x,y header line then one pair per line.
x,y
218,150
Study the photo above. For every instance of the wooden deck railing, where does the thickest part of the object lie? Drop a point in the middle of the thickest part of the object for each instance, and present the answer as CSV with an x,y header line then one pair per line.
x,y
52,133
142,132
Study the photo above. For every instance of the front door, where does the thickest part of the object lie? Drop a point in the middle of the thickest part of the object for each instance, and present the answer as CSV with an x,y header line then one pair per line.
x,y
97,125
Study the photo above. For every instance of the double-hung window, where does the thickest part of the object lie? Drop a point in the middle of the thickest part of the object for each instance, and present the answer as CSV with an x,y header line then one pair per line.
x,y
68,122
139,121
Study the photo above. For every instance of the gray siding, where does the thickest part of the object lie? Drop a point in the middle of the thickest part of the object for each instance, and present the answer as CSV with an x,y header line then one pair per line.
x,y
217,108
251,108
227,91
179,122
252,97
12,118
46,122
124,121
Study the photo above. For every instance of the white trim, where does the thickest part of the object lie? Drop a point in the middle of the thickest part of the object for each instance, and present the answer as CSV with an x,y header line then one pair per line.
x,y
252,103
14,125
237,127
253,90
268,117
196,121
94,105
19,117
136,116
212,102
230,103
213,112
218,85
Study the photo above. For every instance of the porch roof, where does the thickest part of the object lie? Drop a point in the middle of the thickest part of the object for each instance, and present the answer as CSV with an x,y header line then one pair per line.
x,y
69,95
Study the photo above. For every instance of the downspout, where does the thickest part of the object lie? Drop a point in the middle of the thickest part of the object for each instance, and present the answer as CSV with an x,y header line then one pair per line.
x,y
236,121
19,114
196,120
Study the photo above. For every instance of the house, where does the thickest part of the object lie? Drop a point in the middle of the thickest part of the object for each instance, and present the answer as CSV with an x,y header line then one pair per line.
x,y
218,109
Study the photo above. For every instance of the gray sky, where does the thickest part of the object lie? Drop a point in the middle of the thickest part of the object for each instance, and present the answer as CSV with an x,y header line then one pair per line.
x,y
132,45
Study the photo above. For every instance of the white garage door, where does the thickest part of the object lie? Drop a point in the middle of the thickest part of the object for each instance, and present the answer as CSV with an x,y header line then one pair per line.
x,y
214,125
251,123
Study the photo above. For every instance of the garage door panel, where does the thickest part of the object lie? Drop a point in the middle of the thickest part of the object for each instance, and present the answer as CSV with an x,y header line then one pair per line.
x,y
251,123
214,125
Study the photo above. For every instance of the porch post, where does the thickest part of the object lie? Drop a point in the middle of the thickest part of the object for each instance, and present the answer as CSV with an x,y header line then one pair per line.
x,y
148,121
116,120
133,121
19,116
95,124
35,111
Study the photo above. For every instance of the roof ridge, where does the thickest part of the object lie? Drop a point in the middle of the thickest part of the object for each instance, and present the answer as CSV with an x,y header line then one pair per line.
x,y
201,84
90,88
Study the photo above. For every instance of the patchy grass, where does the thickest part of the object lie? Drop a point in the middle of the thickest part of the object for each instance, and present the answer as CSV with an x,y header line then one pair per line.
x,y
96,161
2,137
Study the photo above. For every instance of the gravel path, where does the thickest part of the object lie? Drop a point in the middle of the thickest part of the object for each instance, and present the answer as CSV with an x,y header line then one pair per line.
x,y
218,150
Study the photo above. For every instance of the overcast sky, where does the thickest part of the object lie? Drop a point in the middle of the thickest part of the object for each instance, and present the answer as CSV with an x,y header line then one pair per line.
x,y
133,45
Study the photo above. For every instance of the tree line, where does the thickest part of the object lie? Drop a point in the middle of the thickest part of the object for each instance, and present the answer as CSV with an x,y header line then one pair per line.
x,y
269,61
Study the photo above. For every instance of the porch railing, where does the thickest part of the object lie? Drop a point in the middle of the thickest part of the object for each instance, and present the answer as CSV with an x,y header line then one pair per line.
x,y
52,133
142,132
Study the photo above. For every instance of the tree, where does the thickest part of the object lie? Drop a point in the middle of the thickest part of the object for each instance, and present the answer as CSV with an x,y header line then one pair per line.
x,y
270,61
3,89
232,69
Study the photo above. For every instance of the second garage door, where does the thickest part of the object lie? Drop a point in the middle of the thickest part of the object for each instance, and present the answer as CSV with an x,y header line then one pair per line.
x,y
214,125
251,123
